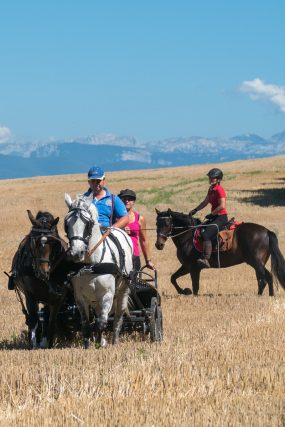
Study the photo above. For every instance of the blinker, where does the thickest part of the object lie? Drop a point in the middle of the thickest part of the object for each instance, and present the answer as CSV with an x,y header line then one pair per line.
x,y
43,240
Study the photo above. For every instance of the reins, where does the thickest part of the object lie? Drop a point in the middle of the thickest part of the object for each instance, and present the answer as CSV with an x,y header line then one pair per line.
x,y
19,298
44,233
58,260
90,251
189,227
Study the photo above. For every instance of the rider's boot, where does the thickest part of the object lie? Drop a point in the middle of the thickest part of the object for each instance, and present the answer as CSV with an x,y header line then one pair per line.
x,y
203,262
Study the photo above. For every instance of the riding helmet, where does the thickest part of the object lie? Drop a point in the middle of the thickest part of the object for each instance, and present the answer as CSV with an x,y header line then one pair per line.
x,y
215,173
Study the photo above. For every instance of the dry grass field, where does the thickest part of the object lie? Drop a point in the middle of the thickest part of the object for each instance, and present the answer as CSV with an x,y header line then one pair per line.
x,y
222,360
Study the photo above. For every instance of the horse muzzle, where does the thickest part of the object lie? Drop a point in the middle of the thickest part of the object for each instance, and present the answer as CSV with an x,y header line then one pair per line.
x,y
77,256
159,245
42,275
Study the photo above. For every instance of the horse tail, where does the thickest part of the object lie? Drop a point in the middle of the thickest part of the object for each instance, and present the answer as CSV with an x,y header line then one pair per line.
x,y
277,259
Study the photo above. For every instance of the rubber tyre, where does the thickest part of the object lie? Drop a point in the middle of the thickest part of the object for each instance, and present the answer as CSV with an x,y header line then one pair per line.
x,y
156,323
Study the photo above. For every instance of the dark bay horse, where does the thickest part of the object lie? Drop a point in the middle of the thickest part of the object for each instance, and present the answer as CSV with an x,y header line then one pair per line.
x,y
34,266
253,244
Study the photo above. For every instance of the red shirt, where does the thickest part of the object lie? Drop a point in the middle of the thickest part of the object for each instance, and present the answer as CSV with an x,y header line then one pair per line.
x,y
214,194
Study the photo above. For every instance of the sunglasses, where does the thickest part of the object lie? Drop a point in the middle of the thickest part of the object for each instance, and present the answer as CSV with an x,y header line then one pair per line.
x,y
128,198
95,181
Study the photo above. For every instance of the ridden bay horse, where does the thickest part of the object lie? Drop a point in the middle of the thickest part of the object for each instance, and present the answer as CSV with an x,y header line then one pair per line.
x,y
109,257
33,264
252,244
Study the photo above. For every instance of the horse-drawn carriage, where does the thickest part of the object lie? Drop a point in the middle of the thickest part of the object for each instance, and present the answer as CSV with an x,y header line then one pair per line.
x,y
144,314
77,291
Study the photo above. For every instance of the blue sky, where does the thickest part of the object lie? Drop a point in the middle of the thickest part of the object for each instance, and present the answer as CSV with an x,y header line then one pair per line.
x,y
151,69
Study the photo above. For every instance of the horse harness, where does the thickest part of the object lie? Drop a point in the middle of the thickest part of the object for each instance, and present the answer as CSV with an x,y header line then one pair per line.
x,y
171,227
169,218
80,213
42,236
26,253
83,214
105,239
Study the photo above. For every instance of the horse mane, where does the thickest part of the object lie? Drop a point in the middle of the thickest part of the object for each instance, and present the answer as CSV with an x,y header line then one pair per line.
x,y
181,218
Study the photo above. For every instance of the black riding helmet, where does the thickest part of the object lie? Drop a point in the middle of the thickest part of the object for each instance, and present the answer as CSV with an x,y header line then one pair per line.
x,y
215,173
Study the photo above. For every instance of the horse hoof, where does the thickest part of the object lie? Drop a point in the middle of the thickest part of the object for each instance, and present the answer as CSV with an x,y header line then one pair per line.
x,y
103,343
86,343
187,291
33,340
44,343
33,346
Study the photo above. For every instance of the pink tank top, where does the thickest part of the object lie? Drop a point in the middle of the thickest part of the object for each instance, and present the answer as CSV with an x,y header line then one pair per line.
x,y
135,231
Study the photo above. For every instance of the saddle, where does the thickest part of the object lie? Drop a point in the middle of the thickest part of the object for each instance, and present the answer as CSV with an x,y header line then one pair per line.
x,y
225,237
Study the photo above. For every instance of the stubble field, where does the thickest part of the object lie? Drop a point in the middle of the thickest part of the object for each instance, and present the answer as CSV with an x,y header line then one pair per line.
x,y
222,360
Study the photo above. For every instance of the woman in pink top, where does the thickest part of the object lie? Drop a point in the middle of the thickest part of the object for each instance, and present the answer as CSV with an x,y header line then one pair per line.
x,y
136,228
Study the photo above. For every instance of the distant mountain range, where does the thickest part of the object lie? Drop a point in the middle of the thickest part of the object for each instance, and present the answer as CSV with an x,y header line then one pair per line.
x,y
114,153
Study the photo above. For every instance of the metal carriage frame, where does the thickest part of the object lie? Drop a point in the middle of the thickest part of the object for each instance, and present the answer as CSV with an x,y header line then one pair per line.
x,y
144,310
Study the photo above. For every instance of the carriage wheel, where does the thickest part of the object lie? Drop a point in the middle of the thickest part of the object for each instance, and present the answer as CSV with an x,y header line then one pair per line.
x,y
156,324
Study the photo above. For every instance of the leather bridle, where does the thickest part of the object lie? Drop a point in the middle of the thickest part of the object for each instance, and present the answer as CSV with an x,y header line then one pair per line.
x,y
41,237
75,214
159,233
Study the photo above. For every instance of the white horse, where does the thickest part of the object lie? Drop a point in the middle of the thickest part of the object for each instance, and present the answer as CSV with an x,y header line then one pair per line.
x,y
109,288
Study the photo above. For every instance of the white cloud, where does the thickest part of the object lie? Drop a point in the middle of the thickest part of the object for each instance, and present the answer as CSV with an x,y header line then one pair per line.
x,y
258,90
5,134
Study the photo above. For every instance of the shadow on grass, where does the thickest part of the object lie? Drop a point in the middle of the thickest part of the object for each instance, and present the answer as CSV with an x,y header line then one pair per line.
x,y
265,197
210,295
19,342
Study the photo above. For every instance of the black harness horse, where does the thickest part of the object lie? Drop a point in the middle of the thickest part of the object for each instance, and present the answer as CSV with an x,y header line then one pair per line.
x,y
252,244
34,266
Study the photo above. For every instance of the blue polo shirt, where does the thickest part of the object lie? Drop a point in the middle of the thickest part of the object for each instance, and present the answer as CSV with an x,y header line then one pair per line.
x,y
104,207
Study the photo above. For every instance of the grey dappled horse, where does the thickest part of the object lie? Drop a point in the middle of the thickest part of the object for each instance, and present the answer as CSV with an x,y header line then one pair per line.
x,y
104,290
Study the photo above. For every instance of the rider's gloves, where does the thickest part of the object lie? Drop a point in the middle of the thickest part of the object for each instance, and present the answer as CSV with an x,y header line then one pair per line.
x,y
209,216
191,213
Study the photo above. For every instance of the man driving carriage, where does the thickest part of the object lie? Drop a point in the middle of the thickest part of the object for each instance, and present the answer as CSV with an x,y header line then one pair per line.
x,y
111,209
216,196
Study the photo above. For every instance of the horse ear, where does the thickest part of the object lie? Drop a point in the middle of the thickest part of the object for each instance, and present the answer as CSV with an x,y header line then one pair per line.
x,y
157,211
67,200
55,222
169,210
31,217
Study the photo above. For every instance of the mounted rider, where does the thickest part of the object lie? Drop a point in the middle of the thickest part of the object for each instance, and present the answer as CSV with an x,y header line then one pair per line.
x,y
216,196
111,210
